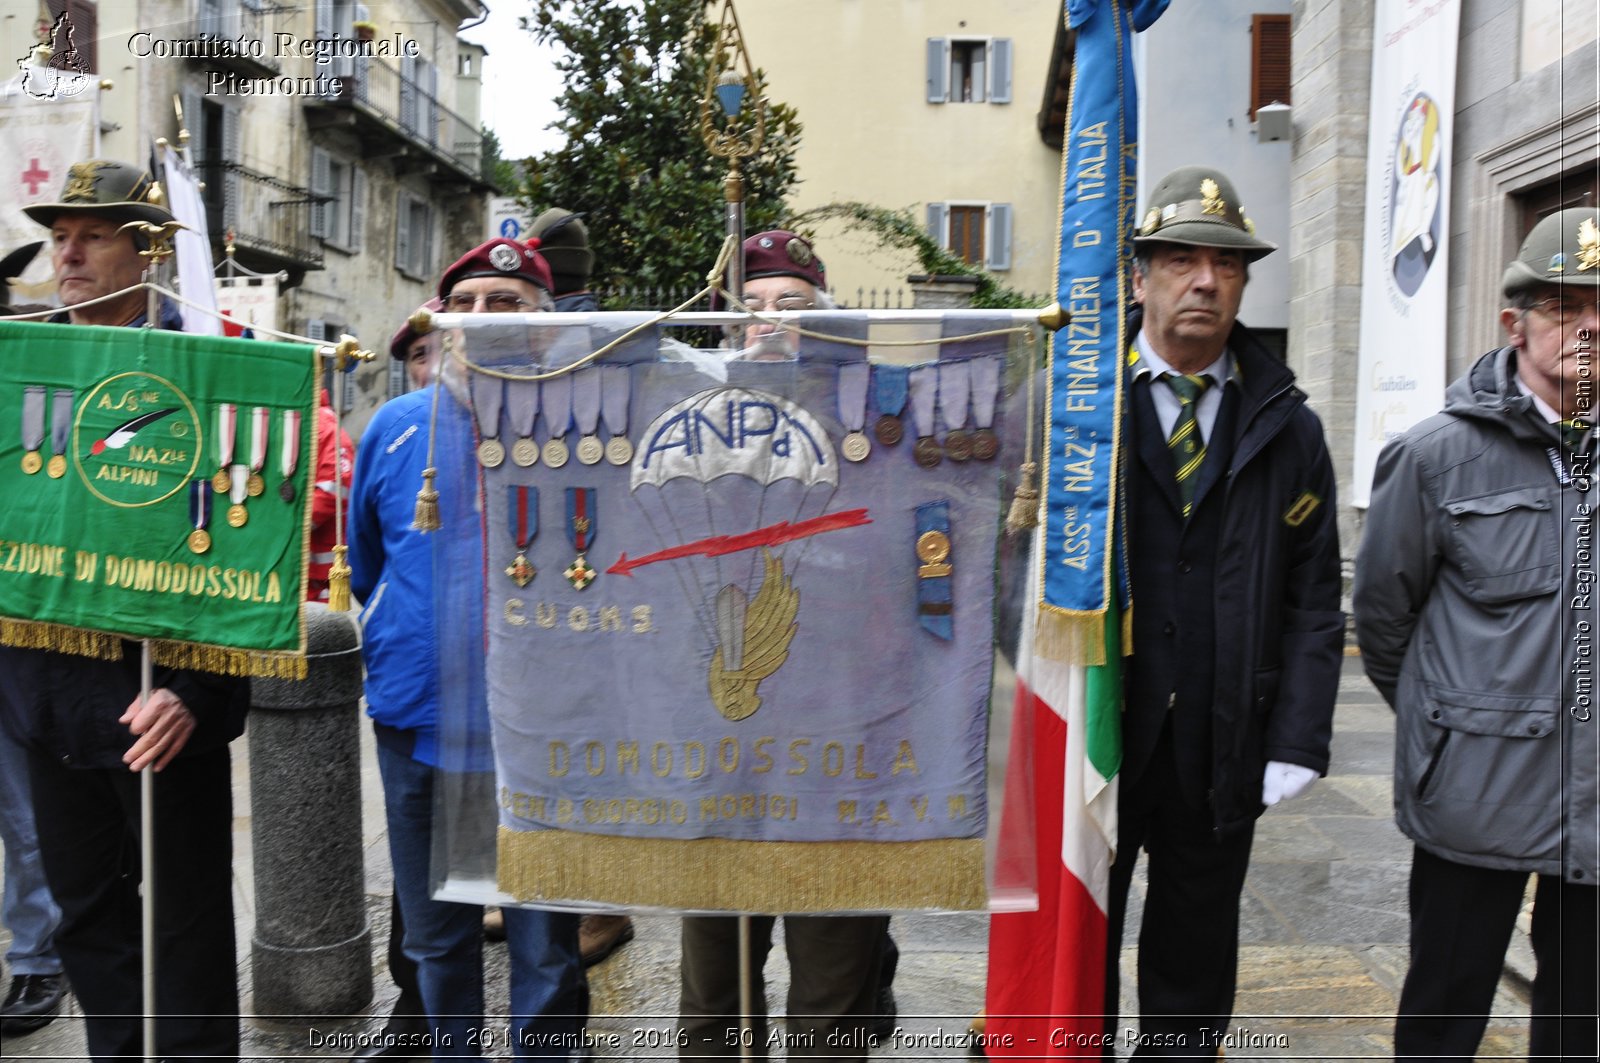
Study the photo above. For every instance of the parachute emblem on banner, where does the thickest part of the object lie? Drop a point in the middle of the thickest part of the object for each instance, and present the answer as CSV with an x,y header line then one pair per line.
x,y
704,460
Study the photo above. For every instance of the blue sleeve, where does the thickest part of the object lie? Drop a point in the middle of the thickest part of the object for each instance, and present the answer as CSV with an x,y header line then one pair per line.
x,y
365,533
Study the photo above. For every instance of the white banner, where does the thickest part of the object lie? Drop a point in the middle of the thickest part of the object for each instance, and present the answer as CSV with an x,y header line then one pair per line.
x,y
248,303
47,123
1405,257
193,244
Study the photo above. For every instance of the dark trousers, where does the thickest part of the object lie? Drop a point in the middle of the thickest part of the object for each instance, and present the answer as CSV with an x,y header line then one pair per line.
x,y
835,963
1189,937
88,823
1461,923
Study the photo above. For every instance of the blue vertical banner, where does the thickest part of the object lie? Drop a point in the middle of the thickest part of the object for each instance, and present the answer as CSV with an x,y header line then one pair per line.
x,y
1098,170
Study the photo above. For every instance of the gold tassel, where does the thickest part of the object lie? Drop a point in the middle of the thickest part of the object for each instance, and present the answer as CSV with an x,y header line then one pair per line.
x,y
1025,503
427,518
1072,638
339,581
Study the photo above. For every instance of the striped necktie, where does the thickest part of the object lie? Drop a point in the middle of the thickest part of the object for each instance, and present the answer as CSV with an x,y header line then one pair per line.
x,y
1575,434
1187,446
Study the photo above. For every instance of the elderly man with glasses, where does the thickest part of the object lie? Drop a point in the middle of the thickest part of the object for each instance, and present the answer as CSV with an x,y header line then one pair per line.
x,y
1474,605
392,573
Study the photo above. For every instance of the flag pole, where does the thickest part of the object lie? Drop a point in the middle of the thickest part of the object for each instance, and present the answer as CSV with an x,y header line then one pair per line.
x,y
147,863
746,997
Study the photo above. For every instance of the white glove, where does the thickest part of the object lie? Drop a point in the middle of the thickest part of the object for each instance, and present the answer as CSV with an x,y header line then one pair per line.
x,y
1285,781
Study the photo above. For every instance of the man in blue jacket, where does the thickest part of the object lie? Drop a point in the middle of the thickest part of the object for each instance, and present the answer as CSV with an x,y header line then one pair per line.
x,y
392,573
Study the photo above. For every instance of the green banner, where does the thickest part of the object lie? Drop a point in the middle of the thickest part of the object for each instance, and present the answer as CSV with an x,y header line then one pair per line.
x,y
122,515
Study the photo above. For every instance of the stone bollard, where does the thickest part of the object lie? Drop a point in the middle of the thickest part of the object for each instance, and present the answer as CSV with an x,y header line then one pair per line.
x,y
312,949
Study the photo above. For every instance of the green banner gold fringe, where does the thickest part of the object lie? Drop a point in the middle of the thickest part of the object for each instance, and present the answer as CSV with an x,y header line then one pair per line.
x,y
743,876
222,660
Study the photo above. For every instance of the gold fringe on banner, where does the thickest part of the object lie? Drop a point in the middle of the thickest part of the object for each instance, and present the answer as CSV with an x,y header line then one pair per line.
x,y
33,635
222,660
743,876
1070,637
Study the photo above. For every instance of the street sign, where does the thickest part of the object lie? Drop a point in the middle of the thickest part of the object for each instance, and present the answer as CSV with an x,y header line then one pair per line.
x,y
506,218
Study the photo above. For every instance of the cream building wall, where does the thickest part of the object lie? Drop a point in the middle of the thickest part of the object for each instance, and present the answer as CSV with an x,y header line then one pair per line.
x,y
856,70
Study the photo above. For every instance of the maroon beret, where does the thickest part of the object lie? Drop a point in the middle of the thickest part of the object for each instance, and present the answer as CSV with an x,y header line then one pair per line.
x,y
406,336
499,258
777,253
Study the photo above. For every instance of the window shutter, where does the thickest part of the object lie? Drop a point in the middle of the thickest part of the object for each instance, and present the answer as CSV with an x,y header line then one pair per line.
x,y
314,329
408,93
195,122
1000,70
999,233
938,68
430,85
233,157
324,20
1269,60
358,208
402,232
425,219
321,173
211,19
397,377
936,217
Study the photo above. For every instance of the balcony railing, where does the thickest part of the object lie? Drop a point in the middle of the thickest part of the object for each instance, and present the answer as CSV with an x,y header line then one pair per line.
x,y
270,217
238,34
406,110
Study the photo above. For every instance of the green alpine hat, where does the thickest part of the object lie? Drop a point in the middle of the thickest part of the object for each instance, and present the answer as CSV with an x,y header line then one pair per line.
x,y
1198,205
1562,249
564,243
118,191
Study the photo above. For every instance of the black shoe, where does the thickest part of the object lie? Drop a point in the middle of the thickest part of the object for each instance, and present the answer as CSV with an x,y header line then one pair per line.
x,y
33,1001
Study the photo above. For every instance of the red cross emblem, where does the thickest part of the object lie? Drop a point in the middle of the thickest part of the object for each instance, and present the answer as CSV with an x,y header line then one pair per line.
x,y
34,176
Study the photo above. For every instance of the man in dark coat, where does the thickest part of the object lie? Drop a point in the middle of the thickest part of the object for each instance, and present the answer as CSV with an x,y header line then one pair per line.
x,y
88,736
1237,635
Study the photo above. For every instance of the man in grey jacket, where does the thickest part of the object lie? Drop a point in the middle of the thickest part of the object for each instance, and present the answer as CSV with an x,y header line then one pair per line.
x,y
1474,605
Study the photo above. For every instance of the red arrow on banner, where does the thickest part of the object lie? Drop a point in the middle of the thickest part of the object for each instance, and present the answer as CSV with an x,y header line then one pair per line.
x,y
771,535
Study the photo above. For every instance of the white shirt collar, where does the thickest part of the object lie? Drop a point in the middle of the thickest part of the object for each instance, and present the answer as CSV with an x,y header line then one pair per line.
x,y
1150,362
1546,411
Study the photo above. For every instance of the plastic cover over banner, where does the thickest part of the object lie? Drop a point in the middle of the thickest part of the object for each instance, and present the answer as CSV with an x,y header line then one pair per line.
x,y
718,634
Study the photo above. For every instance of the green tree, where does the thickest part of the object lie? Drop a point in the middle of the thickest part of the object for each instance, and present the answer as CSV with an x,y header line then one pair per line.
x,y
499,170
633,163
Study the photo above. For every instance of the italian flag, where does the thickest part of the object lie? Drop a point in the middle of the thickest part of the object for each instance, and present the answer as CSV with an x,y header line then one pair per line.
x,y
1047,967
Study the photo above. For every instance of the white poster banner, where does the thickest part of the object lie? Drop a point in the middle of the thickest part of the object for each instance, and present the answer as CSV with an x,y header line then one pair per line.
x,y
47,123
193,244
248,303
1405,257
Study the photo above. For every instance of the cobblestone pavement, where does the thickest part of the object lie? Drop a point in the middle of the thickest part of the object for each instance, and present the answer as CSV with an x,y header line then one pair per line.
x,y
1322,954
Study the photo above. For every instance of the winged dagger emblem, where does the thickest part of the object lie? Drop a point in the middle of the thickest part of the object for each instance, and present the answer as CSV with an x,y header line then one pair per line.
x,y
123,434
753,637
